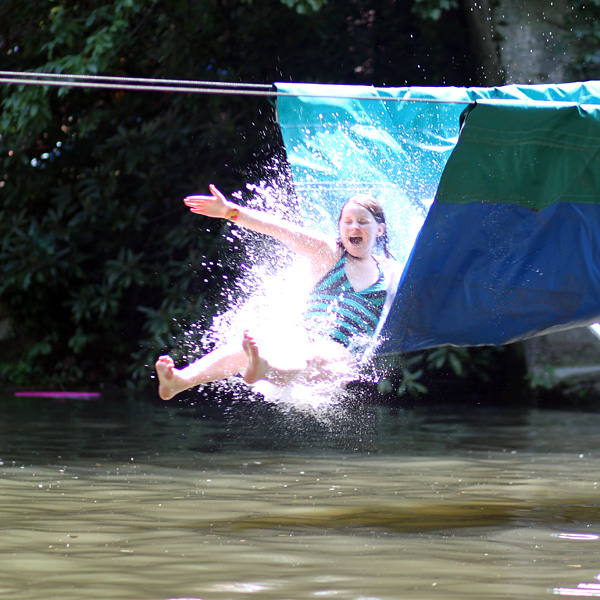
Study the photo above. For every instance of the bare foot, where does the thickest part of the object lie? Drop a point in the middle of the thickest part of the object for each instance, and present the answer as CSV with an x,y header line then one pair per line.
x,y
170,383
257,366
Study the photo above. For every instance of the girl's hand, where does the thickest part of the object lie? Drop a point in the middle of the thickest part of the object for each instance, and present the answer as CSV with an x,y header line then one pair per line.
x,y
214,205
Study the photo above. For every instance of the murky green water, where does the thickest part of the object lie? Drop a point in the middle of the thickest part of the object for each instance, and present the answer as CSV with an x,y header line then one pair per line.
x,y
145,500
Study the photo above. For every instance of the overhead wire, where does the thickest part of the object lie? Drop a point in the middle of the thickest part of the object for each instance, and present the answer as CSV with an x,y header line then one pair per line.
x,y
141,84
188,86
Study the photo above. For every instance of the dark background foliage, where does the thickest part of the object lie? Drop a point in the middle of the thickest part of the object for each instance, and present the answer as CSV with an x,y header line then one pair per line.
x,y
102,267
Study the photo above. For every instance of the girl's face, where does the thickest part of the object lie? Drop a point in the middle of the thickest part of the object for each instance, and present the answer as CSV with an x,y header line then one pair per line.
x,y
359,230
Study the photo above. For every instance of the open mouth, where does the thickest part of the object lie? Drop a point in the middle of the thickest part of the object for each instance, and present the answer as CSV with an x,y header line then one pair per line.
x,y
355,240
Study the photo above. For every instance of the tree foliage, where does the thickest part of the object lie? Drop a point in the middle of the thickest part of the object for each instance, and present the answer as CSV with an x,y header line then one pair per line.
x,y
584,29
102,268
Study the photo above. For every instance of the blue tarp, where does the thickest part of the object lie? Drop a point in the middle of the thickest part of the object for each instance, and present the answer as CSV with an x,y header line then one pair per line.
x,y
509,248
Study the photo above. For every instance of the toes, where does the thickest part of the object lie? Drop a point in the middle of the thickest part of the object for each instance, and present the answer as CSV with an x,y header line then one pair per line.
x,y
165,361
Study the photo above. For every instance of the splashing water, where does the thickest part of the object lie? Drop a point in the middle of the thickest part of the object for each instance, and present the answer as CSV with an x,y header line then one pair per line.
x,y
269,302
269,299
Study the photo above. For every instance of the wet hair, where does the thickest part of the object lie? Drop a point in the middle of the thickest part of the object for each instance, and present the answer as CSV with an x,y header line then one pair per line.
x,y
373,206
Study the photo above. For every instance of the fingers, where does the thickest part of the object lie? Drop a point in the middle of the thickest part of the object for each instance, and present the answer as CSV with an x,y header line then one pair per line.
x,y
201,204
196,201
196,204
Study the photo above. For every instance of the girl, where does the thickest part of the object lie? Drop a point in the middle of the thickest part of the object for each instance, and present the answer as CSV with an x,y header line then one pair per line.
x,y
352,295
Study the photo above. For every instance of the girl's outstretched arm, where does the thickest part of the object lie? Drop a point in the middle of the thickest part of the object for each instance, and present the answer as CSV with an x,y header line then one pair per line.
x,y
319,248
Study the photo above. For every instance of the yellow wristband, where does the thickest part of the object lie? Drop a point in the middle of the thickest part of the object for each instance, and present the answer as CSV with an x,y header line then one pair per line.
x,y
232,214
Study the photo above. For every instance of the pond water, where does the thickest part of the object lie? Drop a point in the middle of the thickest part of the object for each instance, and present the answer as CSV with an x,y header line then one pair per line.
x,y
135,498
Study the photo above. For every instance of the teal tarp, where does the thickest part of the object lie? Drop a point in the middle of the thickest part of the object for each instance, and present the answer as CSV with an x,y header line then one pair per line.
x,y
341,140
522,167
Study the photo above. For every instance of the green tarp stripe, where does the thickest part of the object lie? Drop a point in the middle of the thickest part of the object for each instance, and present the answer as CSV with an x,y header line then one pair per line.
x,y
533,154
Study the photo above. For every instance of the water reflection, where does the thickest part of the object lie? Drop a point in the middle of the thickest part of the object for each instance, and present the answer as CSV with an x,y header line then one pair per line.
x,y
139,499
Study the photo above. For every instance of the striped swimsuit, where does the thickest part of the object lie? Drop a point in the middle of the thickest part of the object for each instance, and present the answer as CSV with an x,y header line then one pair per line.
x,y
334,310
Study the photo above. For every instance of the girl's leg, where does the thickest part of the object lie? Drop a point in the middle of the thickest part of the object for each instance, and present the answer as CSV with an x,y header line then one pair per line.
x,y
257,367
214,366
229,360
335,366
